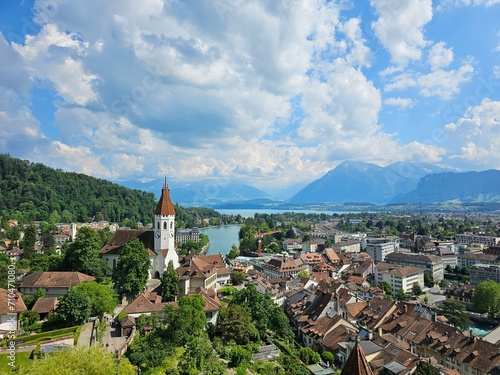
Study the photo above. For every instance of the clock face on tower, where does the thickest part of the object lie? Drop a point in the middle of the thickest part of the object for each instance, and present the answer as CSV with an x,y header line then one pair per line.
x,y
171,234
157,234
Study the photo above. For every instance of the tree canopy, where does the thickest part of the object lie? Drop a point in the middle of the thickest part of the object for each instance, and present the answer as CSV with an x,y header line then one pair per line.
x,y
486,298
82,255
132,271
169,283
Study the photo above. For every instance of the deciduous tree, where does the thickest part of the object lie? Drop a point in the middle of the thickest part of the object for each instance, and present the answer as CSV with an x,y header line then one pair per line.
x,y
83,254
169,283
487,298
131,273
456,314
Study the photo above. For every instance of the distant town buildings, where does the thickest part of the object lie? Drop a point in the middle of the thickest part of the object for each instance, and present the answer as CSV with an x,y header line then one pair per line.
x,y
379,248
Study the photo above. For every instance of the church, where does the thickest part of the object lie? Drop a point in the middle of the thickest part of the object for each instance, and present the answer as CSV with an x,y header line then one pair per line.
x,y
159,242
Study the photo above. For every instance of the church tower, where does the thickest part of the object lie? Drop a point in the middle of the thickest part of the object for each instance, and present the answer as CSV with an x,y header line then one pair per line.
x,y
164,232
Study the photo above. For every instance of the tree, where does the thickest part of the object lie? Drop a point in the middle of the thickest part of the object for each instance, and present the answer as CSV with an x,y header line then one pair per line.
x,y
132,271
235,323
427,279
486,298
328,357
186,321
303,273
386,288
234,252
74,307
237,277
425,368
443,284
401,296
83,254
29,317
29,240
416,289
95,360
103,299
197,355
309,356
456,314
169,283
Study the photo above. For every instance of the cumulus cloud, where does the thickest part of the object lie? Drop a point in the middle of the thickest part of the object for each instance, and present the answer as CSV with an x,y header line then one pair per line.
x,y
446,4
439,56
475,137
399,27
400,102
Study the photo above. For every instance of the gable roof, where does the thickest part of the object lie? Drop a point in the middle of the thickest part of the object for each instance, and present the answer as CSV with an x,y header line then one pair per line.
x,y
121,237
5,308
146,302
357,364
39,279
45,305
165,205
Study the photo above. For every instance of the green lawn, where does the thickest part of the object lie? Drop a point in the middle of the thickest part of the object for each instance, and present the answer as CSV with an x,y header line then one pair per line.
x,y
22,358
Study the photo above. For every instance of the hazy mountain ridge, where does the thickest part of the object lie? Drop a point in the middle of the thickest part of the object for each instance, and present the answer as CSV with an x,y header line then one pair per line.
x,y
465,187
364,182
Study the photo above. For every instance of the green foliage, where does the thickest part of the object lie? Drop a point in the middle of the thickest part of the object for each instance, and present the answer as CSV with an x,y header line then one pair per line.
x,y
132,271
121,316
416,289
95,360
28,242
328,357
266,315
456,314
83,254
186,321
234,252
402,296
74,307
237,277
303,273
199,356
103,298
235,323
309,356
427,279
29,317
487,298
386,288
239,355
33,192
443,284
424,368
169,283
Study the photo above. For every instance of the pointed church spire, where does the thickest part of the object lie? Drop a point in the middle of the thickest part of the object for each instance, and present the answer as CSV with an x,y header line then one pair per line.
x,y
357,364
165,205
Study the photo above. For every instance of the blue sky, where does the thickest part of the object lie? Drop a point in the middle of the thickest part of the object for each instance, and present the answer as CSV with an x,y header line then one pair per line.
x,y
268,93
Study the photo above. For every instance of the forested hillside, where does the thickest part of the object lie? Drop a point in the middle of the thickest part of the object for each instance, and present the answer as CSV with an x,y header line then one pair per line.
x,y
32,191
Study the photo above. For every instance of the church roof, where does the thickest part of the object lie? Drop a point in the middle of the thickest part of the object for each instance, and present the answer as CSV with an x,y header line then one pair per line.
x,y
165,205
357,364
121,237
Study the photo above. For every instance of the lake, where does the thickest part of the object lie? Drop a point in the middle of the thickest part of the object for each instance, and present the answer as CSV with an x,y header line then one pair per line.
x,y
250,212
222,238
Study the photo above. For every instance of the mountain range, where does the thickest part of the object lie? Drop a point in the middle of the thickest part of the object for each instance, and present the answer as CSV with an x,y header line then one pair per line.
x,y
350,182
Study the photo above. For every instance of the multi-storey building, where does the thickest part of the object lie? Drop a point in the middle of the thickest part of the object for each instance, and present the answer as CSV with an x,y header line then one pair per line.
x,y
472,239
431,264
483,272
399,277
469,259
347,247
184,235
379,248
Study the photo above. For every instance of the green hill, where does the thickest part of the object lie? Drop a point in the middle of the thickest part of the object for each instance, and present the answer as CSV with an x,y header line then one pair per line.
x,y
33,191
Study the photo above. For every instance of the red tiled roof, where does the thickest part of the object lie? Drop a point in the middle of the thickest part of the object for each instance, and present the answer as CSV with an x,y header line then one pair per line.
x,y
41,279
165,205
121,237
45,305
5,308
357,364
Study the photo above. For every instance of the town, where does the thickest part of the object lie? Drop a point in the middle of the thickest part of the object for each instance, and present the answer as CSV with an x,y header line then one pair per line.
x,y
363,293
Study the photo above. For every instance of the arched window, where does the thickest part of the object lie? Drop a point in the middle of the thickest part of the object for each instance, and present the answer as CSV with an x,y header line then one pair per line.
x,y
158,225
114,263
165,225
171,225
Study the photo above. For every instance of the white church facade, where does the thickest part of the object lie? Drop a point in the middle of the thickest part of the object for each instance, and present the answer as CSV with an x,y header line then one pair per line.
x,y
159,242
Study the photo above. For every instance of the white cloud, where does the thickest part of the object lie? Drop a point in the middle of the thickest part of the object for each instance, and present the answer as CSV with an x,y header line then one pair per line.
x,y
446,4
475,138
56,56
439,56
400,102
399,27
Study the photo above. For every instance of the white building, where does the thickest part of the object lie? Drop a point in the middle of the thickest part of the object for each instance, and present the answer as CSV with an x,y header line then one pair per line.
x,y
399,277
472,239
379,248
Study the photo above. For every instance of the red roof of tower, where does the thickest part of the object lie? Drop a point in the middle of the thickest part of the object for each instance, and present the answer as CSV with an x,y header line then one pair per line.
x,y
357,364
165,205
